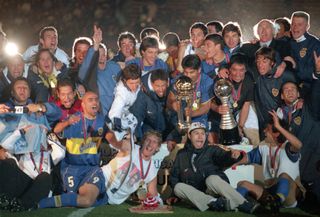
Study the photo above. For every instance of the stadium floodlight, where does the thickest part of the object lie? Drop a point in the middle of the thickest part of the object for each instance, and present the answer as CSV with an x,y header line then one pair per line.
x,y
11,49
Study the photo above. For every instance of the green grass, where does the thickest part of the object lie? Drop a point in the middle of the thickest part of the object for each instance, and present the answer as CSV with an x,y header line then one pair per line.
x,y
122,210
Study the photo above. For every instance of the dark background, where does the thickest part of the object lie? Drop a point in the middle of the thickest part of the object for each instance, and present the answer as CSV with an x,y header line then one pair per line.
x,y
22,19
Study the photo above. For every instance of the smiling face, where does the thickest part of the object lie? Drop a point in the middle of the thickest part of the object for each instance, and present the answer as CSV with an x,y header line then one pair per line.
x,y
80,52
197,138
289,93
90,105
150,146
66,96
265,31
149,56
299,26
127,47
211,48
45,62
264,65
232,39
197,37
160,87
237,72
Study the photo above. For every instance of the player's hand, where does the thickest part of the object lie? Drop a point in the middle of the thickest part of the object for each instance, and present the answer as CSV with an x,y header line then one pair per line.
x,y
172,200
223,73
223,109
4,109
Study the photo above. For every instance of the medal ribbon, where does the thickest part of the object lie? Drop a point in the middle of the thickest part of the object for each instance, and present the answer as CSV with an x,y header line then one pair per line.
x,y
143,176
34,163
273,158
236,96
196,90
84,128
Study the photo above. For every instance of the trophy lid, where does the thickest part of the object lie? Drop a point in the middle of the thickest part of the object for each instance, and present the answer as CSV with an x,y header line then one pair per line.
x,y
184,85
223,88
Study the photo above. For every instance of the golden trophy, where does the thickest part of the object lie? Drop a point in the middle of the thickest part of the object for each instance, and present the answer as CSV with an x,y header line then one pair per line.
x,y
184,87
229,133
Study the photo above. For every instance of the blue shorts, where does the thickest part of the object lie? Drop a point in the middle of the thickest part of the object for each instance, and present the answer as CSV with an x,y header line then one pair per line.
x,y
74,176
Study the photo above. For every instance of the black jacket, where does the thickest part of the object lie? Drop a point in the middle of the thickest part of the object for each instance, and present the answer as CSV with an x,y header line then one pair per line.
x,y
210,160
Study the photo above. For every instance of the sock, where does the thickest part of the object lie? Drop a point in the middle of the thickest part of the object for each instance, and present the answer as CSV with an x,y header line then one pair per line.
x,y
68,199
243,191
283,188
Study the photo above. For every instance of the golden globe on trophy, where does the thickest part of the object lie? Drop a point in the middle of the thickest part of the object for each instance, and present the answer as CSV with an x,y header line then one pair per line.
x,y
229,133
185,88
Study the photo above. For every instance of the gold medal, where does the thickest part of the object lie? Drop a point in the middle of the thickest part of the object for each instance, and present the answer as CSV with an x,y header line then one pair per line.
x,y
235,105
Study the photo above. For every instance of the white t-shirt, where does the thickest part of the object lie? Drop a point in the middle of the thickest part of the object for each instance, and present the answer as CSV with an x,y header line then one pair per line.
x,y
282,162
117,169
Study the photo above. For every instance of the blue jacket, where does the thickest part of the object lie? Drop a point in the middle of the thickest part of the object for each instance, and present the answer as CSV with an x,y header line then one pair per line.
x,y
106,79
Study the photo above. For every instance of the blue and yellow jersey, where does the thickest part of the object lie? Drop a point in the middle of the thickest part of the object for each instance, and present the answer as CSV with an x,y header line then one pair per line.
x,y
83,139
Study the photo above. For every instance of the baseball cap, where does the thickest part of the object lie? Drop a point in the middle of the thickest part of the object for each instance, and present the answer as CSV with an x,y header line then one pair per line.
x,y
196,125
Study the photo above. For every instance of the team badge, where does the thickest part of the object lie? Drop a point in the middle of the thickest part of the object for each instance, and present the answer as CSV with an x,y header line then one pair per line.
x,y
303,52
100,131
297,120
275,92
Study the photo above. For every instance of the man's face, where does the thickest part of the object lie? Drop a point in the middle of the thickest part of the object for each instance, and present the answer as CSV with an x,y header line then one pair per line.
x,y
299,26
173,51
133,84
80,52
127,47
198,138
150,146
232,39
281,31
289,93
212,29
102,56
264,65
197,37
192,73
90,104
49,40
211,48
66,96
160,87
237,72
150,55
265,31
45,63
21,91
16,67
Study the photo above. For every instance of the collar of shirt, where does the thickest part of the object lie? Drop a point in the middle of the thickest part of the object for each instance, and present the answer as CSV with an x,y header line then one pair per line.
x,y
265,44
301,39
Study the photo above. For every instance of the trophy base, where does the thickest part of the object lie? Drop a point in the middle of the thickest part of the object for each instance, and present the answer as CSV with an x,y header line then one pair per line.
x,y
229,137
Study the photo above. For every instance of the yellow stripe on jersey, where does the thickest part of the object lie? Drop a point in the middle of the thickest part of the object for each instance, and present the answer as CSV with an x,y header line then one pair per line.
x,y
78,146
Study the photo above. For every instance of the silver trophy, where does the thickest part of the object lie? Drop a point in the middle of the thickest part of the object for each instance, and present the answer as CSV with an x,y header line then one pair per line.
x,y
184,87
229,133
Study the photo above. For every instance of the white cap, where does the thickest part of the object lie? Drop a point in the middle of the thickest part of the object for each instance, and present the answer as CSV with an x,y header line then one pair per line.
x,y
196,125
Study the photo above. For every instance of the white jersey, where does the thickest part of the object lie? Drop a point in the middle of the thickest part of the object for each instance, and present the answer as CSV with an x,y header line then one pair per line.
x,y
123,100
189,50
282,162
116,170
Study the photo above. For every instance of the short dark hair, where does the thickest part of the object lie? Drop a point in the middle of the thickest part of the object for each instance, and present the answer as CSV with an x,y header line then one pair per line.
x,y
20,79
149,31
191,61
80,40
232,27
47,29
171,39
239,58
217,24
131,71
65,83
301,14
149,42
199,25
266,52
158,74
284,21
215,38
127,35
